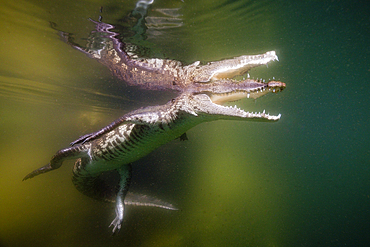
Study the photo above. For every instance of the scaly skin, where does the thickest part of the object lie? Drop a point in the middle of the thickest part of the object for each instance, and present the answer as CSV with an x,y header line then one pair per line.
x,y
138,133
155,73
202,91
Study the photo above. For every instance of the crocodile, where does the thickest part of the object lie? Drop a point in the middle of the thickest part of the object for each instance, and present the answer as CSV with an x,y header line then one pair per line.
x,y
202,90
139,132
105,46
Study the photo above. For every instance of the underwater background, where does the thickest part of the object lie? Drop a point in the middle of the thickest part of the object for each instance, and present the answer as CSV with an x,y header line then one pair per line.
x,y
302,181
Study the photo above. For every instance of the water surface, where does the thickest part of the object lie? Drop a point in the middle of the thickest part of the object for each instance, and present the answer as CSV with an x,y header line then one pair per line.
x,y
303,181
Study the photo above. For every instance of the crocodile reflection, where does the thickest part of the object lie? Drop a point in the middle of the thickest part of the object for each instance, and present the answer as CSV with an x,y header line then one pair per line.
x,y
202,92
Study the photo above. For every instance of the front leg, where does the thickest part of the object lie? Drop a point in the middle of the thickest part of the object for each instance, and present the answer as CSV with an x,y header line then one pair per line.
x,y
124,184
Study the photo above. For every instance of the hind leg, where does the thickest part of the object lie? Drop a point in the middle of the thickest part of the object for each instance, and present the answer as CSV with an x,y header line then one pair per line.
x,y
124,184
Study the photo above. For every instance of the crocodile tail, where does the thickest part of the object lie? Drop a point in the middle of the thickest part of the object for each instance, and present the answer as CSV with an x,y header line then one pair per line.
x,y
57,160
55,163
39,171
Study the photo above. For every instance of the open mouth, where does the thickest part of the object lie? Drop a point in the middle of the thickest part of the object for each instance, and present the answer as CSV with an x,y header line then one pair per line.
x,y
246,89
218,93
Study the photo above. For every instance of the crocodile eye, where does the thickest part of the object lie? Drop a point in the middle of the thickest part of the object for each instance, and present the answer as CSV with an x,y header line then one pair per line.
x,y
174,83
173,100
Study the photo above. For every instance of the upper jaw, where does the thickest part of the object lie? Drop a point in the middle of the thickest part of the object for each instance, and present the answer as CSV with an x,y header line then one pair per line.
x,y
230,68
213,78
223,91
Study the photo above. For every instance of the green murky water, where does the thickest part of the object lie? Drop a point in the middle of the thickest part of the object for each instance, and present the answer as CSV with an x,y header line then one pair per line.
x,y
303,181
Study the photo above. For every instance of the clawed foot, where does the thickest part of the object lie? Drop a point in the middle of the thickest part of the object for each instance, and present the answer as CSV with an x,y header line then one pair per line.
x,y
125,172
116,223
